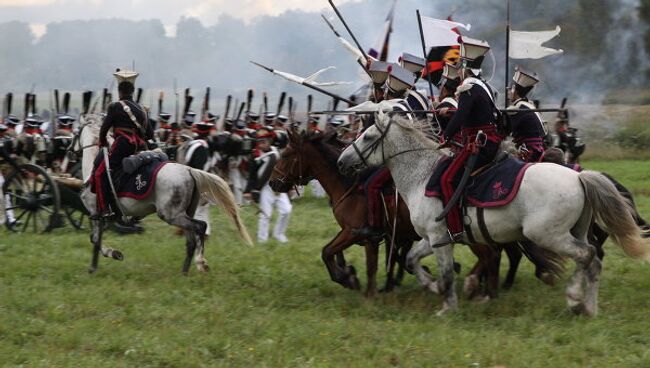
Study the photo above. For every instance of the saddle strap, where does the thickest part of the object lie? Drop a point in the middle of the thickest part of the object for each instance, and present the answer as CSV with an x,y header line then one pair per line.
x,y
468,227
480,215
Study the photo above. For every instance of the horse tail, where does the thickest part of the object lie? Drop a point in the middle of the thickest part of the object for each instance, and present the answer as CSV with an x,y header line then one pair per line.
x,y
615,214
217,190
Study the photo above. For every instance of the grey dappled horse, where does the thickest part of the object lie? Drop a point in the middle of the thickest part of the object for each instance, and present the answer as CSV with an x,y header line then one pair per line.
x,y
176,194
556,217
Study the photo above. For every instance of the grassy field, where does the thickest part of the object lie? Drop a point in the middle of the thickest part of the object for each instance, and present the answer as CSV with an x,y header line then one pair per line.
x,y
274,305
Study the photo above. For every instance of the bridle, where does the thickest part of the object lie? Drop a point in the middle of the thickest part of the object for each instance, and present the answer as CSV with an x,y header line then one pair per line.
x,y
284,177
370,149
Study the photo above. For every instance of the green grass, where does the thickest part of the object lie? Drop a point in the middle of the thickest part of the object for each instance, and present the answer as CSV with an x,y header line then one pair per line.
x,y
274,305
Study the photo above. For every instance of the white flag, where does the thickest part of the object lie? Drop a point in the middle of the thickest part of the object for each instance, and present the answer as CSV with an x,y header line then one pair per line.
x,y
528,45
439,32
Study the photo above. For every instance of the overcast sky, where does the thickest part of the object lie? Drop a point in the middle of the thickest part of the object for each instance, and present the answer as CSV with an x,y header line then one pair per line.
x,y
40,12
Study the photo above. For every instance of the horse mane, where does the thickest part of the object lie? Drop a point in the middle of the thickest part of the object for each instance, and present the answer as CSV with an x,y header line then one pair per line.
x,y
331,147
421,129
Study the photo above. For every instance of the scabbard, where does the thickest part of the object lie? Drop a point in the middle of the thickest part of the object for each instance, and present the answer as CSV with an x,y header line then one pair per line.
x,y
469,168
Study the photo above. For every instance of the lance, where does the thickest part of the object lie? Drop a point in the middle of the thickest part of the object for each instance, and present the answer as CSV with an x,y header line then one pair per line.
x,y
347,28
426,111
424,52
362,62
298,80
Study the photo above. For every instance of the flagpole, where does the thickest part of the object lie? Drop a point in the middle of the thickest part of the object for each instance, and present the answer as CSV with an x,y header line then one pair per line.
x,y
424,53
507,51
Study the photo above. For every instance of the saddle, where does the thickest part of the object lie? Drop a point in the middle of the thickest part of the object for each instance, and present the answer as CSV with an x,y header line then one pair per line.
x,y
138,175
493,185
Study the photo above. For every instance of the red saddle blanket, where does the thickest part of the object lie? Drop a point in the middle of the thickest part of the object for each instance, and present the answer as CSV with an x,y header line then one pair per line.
x,y
495,186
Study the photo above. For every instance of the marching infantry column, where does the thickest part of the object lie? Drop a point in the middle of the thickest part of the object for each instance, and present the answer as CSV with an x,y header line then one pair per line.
x,y
476,120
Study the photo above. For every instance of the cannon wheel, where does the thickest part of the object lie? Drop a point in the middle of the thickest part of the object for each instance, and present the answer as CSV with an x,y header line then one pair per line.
x,y
34,198
73,206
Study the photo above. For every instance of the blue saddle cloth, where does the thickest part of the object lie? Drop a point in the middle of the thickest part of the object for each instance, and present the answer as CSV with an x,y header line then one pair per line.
x,y
495,186
139,184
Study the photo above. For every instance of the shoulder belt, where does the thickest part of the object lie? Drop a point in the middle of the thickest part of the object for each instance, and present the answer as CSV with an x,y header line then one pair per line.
x,y
193,145
127,110
451,101
420,99
529,105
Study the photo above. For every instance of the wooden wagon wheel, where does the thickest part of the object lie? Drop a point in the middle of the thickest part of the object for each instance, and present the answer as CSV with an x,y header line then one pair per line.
x,y
34,198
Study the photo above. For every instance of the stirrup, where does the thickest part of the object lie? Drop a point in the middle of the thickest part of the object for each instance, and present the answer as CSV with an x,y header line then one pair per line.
x,y
449,239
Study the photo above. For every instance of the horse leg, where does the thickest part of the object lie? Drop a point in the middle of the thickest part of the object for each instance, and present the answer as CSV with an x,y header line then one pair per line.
x,y
421,250
445,259
96,240
492,272
514,257
345,276
478,273
586,271
194,231
199,240
372,252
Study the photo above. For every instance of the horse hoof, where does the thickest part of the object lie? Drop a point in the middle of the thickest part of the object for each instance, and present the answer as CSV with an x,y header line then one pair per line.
x,y
117,255
370,294
92,270
351,270
507,285
547,278
203,267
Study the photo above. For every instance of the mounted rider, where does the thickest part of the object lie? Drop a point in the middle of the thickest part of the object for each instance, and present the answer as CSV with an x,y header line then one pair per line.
x,y
396,82
417,100
131,130
527,127
476,120
447,103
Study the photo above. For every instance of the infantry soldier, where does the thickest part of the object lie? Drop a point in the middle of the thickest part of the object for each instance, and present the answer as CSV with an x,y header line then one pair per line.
x,y
131,129
476,120
527,127
264,158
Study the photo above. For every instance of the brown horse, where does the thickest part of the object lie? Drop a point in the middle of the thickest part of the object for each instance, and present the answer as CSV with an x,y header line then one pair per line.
x,y
314,156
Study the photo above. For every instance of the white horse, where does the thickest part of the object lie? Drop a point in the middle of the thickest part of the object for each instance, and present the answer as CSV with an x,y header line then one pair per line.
x,y
555,217
176,194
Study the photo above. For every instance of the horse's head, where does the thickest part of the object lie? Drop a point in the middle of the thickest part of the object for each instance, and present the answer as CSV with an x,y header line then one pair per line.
x,y
89,126
295,166
372,148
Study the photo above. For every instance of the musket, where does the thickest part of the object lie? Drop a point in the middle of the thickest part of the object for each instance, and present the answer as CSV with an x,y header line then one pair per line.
x,y
290,110
345,24
308,85
283,96
176,111
206,104
266,103
57,106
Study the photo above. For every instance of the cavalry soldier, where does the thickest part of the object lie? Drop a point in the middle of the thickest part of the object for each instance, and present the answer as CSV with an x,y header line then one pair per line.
x,y
527,127
476,120
131,129
447,104
261,166
398,81
417,101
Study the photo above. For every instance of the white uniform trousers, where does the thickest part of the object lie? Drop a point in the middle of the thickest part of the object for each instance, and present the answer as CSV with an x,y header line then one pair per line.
x,y
269,199
317,189
237,180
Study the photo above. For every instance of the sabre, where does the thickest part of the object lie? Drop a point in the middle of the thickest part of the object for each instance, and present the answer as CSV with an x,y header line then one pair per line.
x,y
304,83
110,182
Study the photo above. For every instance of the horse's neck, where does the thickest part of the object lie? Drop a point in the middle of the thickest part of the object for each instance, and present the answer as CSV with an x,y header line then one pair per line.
x,y
329,178
411,170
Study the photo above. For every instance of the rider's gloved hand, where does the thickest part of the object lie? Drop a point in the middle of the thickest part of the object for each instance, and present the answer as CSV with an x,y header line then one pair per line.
x,y
444,143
